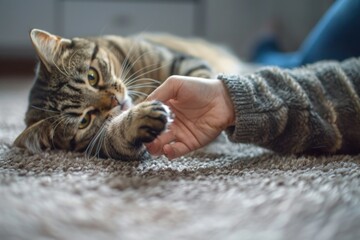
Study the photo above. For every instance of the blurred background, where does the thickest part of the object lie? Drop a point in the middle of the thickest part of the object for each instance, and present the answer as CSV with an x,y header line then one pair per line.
x,y
237,24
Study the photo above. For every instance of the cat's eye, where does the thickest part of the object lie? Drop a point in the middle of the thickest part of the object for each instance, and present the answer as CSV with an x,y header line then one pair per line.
x,y
93,77
85,121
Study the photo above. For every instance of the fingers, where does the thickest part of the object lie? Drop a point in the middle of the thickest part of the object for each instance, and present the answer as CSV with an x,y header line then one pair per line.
x,y
171,151
156,147
164,144
175,150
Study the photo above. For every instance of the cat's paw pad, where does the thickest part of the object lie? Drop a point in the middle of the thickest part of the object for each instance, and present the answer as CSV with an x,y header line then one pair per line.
x,y
154,117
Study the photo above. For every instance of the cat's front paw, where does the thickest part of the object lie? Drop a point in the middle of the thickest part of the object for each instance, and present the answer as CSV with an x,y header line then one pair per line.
x,y
152,118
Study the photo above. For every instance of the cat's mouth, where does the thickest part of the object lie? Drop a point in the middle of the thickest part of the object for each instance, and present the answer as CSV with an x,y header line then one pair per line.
x,y
124,104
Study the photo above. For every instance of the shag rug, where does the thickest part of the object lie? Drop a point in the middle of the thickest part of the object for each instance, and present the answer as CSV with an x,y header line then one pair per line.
x,y
224,191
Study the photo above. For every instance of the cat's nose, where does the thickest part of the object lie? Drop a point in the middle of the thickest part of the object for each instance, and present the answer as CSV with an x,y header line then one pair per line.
x,y
105,102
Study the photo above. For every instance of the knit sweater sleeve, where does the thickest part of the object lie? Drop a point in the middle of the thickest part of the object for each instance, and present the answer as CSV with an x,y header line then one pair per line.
x,y
312,109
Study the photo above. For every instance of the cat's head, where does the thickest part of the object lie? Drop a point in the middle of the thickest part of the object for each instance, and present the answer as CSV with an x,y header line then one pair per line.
x,y
77,89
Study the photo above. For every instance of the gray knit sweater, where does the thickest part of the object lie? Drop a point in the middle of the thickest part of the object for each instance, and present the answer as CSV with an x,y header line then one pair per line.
x,y
313,109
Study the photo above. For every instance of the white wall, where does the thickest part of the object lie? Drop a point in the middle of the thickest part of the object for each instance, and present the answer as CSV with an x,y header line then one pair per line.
x,y
235,23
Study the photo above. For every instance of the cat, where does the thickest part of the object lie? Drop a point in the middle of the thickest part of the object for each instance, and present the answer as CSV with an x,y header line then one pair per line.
x,y
89,93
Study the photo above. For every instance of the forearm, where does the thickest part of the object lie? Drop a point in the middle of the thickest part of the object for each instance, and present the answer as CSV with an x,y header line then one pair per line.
x,y
312,109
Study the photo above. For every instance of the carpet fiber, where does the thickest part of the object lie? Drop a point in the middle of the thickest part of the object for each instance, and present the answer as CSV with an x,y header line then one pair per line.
x,y
224,191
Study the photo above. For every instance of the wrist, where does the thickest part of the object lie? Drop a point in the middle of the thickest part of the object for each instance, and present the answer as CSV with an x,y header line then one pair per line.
x,y
229,106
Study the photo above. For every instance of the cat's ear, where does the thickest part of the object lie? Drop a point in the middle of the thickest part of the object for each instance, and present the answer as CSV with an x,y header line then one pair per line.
x,y
35,137
47,46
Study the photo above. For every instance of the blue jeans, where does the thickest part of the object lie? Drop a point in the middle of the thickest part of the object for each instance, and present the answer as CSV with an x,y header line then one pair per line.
x,y
336,37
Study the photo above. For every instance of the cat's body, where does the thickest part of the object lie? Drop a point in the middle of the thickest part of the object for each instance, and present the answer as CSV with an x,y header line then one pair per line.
x,y
88,93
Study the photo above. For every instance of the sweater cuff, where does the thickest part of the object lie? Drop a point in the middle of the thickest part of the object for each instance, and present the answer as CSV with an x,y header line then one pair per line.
x,y
241,91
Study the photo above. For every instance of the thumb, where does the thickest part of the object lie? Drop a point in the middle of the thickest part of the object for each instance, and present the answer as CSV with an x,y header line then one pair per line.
x,y
166,91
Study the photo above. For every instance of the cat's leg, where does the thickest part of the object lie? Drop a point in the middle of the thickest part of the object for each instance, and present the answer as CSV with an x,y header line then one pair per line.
x,y
127,132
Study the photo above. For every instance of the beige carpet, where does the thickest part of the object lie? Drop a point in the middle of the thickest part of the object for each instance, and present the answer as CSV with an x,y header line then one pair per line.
x,y
223,192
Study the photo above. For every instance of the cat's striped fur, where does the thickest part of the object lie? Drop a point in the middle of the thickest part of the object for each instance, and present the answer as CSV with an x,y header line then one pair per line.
x,y
88,92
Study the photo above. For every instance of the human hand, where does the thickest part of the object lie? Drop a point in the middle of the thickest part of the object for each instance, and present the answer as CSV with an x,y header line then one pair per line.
x,y
202,108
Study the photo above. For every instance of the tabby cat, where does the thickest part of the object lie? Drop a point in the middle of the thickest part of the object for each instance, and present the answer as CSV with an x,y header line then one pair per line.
x,y
89,93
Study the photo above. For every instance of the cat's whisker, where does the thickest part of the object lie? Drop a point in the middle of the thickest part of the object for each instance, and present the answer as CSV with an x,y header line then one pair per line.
x,y
133,76
43,109
106,151
100,142
50,117
126,61
137,94
124,75
66,123
55,125
141,86
62,118
150,81
147,72
127,68
95,141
